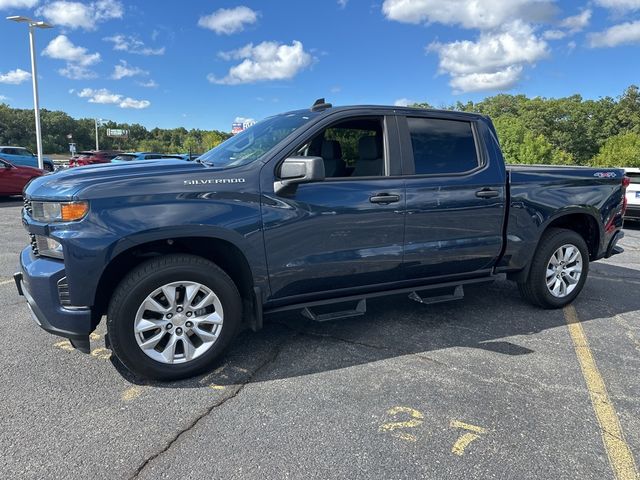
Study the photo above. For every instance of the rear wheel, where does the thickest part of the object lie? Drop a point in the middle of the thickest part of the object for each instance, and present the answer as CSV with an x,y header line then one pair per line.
x,y
558,271
172,316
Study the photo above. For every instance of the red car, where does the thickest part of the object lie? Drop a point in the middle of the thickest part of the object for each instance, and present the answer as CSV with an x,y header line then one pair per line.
x,y
90,157
13,178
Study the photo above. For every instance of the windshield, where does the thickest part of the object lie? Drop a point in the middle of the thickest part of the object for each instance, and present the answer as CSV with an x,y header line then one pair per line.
x,y
254,142
125,157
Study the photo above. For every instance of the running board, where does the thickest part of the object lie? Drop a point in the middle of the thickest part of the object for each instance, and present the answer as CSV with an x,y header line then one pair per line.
x,y
361,309
458,294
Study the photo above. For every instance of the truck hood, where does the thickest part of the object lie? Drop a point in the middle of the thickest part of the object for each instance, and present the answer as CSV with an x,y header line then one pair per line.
x,y
68,184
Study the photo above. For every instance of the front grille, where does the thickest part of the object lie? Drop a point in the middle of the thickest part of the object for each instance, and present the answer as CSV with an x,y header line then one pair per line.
x,y
34,244
27,206
63,292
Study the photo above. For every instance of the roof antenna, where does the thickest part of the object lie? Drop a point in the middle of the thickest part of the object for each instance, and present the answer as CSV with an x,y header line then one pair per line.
x,y
320,105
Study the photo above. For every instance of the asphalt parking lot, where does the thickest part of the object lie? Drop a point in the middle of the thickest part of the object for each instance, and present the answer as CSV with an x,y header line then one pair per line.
x,y
485,387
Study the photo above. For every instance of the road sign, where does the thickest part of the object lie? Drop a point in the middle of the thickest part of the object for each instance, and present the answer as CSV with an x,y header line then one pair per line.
x,y
117,133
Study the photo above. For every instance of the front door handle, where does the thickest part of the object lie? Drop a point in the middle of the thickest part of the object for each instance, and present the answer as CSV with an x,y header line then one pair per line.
x,y
384,198
487,193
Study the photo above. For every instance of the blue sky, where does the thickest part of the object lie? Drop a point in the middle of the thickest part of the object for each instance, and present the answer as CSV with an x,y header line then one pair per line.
x,y
201,64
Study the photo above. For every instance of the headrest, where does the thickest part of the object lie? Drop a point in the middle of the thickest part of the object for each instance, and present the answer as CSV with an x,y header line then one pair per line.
x,y
369,148
331,150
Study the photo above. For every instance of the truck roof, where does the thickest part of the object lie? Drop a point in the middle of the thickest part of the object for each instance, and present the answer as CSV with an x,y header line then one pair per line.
x,y
386,108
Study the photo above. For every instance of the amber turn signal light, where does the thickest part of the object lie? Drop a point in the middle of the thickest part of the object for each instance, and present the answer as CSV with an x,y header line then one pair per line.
x,y
73,211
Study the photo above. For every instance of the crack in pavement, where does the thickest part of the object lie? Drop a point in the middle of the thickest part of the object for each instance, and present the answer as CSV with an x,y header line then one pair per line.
x,y
272,358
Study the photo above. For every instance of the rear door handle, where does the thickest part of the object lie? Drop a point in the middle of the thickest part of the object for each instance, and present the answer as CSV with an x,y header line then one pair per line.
x,y
487,193
384,198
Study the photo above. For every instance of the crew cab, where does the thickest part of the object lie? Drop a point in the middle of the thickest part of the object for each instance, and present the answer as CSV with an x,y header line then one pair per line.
x,y
22,157
315,210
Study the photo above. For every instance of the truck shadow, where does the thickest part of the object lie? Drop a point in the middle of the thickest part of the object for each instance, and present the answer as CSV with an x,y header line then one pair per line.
x,y
487,318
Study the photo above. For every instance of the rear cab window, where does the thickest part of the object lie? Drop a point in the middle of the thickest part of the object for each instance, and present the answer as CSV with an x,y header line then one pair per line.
x,y
442,146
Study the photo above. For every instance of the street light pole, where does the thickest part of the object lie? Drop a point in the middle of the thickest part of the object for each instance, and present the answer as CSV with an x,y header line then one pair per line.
x,y
34,76
97,144
36,100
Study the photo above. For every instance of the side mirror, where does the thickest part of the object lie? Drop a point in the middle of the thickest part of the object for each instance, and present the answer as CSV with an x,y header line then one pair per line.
x,y
296,170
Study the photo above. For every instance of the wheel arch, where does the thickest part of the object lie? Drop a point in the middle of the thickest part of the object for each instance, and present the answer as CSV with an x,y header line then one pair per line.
x,y
582,221
223,252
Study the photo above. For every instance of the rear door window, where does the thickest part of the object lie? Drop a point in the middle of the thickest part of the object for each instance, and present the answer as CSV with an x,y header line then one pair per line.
x,y
442,147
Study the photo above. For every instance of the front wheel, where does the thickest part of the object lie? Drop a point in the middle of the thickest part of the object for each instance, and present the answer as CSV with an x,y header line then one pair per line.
x,y
172,316
558,270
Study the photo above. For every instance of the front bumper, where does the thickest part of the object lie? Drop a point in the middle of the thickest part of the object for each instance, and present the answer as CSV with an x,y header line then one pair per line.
x,y
38,283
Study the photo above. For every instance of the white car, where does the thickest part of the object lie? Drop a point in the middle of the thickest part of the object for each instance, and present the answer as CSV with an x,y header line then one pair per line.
x,y
633,194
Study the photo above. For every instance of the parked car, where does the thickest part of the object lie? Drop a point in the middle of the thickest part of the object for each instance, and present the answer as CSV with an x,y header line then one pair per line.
x,y
633,194
91,157
13,178
315,207
129,157
20,156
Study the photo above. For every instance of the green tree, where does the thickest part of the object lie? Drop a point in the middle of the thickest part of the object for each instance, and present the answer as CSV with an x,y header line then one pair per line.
x,y
622,150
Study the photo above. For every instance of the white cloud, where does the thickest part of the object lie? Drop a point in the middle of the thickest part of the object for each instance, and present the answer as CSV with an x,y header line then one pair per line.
x,y
265,61
73,15
229,20
148,84
5,4
3,98
99,96
577,22
554,34
15,77
131,44
77,72
476,82
619,5
137,104
342,3
403,102
624,33
481,14
494,61
77,58
104,96
125,70
61,48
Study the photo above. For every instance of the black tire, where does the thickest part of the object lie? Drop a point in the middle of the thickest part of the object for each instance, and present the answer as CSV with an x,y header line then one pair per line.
x,y
48,168
143,280
534,289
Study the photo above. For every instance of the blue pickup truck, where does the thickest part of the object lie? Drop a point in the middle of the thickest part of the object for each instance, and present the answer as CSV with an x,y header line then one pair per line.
x,y
315,210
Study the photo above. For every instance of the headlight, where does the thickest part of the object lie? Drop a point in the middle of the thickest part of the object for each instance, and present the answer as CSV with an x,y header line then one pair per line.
x,y
59,211
48,247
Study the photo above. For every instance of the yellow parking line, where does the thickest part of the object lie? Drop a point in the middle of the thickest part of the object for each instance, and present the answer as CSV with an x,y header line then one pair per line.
x,y
620,456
